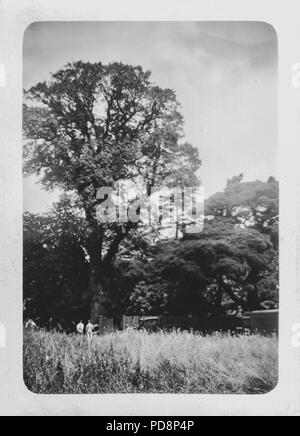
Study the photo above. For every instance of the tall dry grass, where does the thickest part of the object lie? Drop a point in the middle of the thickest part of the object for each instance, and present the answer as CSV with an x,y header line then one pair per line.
x,y
142,362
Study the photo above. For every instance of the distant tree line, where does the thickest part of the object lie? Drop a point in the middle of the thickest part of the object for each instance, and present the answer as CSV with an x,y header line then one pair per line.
x,y
232,264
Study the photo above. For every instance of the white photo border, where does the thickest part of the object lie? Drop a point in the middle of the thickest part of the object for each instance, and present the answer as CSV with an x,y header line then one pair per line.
x,y
15,17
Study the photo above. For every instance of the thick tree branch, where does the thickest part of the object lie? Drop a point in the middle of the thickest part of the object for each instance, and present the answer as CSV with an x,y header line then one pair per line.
x,y
114,248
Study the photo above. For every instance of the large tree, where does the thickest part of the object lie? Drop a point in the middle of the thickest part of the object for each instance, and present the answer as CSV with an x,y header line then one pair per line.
x,y
233,262
92,126
250,206
218,272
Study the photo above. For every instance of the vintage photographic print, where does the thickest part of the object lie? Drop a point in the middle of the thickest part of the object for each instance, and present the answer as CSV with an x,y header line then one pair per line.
x,y
151,207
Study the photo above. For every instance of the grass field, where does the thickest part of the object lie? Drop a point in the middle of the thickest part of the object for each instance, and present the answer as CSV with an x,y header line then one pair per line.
x,y
142,362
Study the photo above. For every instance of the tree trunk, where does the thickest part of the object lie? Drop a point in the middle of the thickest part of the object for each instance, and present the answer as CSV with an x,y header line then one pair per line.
x,y
99,267
252,298
239,302
97,292
177,232
219,299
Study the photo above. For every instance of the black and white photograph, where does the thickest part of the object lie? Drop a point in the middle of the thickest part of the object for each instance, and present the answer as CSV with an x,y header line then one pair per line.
x,y
151,207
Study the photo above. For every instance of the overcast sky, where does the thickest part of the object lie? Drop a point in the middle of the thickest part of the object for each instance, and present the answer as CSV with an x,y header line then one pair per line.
x,y
224,74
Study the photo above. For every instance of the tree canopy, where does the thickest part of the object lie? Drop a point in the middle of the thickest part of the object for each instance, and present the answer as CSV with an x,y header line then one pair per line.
x,y
254,204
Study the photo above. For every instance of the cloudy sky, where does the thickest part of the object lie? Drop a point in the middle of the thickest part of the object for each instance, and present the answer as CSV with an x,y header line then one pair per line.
x,y
224,74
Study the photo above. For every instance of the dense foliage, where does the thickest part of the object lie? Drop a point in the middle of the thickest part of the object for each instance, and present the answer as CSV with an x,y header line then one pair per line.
x,y
227,266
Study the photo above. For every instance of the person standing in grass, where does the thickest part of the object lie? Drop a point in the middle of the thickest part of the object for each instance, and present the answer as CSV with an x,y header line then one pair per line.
x,y
31,325
80,328
89,330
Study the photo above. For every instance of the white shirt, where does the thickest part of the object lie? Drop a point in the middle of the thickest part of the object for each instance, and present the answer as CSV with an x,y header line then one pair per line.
x,y
89,328
30,324
80,328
